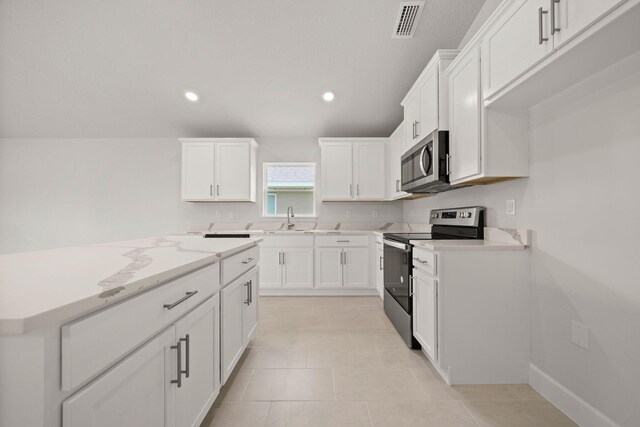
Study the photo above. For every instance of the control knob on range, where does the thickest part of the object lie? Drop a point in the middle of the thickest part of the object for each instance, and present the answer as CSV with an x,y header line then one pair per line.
x,y
465,214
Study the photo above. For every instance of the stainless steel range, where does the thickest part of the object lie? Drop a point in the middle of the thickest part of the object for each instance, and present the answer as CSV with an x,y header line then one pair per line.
x,y
455,223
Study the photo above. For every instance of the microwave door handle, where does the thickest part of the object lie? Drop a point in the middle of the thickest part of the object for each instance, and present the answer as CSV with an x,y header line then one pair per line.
x,y
424,150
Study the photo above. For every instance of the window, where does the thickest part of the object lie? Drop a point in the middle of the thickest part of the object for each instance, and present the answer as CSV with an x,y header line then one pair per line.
x,y
289,184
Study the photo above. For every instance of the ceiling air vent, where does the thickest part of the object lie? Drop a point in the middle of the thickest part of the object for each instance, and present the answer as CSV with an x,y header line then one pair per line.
x,y
407,20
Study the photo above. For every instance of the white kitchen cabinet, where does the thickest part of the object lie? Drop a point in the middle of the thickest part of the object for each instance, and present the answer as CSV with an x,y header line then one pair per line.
x,y
515,42
199,335
379,266
465,116
426,103
425,312
328,267
137,392
219,169
344,265
572,17
394,151
337,171
250,307
239,319
232,300
352,168
286,262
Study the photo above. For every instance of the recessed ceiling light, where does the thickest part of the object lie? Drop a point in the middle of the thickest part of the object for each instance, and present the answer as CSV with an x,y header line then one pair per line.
x,y
191,96
328,96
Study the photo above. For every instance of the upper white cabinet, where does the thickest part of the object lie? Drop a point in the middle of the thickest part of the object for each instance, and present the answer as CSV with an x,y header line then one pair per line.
x,y
425,106
394,151
465,116
219,169
518,40
353,168
570,17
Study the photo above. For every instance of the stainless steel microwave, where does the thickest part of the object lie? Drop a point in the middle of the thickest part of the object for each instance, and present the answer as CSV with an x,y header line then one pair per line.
x,y
425,166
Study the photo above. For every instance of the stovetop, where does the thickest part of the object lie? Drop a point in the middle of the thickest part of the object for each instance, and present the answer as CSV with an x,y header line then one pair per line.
x,y
406,237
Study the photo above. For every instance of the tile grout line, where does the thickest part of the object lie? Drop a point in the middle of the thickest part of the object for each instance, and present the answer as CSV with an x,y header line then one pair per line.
x,y
369,413
246,386
333,378
266,420
469,412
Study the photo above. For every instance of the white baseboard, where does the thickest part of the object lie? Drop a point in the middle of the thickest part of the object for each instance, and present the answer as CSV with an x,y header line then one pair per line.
x,y
581,412
318,292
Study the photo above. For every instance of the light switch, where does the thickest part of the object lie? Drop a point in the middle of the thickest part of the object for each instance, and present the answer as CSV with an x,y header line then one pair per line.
x,y
511,207
580,334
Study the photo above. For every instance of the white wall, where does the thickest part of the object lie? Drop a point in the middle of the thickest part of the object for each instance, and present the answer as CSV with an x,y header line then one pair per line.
x,y
582,201
67,192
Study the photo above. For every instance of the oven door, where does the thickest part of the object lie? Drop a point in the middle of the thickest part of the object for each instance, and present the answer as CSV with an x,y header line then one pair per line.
x,y
417,166
397,265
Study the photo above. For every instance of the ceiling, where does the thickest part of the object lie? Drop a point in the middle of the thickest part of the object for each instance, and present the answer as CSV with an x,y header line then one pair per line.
x,y
119,68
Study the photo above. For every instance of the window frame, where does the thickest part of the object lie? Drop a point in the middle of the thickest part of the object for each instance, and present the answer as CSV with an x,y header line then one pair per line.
x,y
265,190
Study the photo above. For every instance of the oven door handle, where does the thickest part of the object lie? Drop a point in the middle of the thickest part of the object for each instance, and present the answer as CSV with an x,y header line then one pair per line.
x,y
424,150
397,245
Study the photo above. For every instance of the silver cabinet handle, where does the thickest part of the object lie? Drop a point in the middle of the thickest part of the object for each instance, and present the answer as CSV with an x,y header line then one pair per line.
x,y
211,189
350,190
218,190
178,347
541,39
186,353
342,241
448,164
410,286
248,260
248,300
381,267
552,8
251,291
280,258
421,261
417,133
397,185
357,189
184,298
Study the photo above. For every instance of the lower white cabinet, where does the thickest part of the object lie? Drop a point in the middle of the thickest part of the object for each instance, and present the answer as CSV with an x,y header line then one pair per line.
x,y
239,319
342,267
289,267
171,380
425,312
379,267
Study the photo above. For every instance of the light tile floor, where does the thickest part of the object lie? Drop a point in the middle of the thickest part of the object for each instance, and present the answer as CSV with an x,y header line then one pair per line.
x,y
338,361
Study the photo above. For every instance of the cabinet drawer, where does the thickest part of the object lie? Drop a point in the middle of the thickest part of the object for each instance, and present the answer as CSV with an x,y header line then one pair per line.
x,y
237,264
323,241
425,261
287,241
93,343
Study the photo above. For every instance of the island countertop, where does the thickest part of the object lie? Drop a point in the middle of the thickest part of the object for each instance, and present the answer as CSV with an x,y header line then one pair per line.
x,y
40,287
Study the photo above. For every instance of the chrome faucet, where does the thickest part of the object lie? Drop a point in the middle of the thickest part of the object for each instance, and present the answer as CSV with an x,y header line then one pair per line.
x,y
289,216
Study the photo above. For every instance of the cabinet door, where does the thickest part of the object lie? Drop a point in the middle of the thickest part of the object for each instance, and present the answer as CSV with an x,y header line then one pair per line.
x,y
574,16
369,171
425,313
393,155
379,268
464,117
297,268
356,267
329,267
233,172
232,299
270,268
337,171
137,392
197,171
199,336
515,44
411,116
429,102
250,307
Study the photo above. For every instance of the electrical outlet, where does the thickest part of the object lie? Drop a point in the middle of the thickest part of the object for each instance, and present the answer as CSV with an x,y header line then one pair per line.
x,y
511,207
580,334
374,213
218,214
348,214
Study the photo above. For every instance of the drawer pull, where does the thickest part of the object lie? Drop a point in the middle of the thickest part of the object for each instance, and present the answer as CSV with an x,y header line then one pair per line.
x,y
186,353
248,300
186,297
343,241
421,261
179,371
248,260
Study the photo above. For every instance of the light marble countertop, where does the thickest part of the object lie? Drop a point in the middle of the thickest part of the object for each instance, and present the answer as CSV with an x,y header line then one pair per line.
x,y
37,288
467,245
